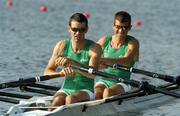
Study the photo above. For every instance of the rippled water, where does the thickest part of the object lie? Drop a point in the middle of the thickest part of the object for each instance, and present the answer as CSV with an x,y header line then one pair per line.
x,y
27,36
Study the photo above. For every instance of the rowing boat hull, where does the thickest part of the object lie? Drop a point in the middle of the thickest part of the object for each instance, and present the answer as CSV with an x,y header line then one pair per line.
x,y
94,108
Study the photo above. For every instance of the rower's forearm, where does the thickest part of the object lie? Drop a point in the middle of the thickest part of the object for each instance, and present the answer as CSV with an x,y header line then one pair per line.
x,y
50,72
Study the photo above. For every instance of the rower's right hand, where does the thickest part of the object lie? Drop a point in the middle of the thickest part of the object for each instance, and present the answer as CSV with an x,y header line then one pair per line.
x,y
68,71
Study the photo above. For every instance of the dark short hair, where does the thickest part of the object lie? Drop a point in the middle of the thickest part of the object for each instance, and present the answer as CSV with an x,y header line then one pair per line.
x,y
79,17
123,16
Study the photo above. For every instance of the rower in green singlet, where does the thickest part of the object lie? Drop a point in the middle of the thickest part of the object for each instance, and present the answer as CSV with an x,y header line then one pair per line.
x,y
73,84
109,51
120,48
78,51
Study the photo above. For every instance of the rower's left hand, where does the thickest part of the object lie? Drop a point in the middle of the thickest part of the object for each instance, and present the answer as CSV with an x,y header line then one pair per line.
x,y
63,61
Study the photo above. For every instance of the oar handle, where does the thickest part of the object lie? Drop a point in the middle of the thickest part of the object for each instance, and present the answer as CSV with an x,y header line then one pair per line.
x,y
23,81
147,73
107,75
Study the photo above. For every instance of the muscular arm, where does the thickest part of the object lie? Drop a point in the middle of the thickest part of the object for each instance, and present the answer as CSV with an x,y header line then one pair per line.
x,y
51,66
132,54
58,60
95,55
102,64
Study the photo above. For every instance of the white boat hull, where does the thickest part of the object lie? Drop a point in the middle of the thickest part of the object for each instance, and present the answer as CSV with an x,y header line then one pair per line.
x,y
91,108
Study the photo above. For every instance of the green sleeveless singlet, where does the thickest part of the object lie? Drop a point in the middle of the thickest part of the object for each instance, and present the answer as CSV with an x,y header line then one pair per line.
x,y
76,83
108,51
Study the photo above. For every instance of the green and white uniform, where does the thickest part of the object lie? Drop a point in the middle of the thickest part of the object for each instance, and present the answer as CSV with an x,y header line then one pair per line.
x,y
79,82
109,51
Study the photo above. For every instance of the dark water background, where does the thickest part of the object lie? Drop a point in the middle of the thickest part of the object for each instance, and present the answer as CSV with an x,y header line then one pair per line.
x,y
27,36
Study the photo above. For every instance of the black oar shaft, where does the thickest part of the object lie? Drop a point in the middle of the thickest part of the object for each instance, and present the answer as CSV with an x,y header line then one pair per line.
x,y
147,73
107,75
134,93
149,89
37,85
145,85
9,100
23,81
154,75
40,91
166,92
121,97
14,95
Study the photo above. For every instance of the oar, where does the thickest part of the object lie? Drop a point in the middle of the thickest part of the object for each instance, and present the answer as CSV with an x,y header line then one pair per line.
x,y
14,95
9,100
168,78
139,92
133,83
40,91
43,86
24,81
120,97
148,88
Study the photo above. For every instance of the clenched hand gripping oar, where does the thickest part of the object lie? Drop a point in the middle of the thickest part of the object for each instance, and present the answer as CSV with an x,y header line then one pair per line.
x,y
146,87
23,81
168,78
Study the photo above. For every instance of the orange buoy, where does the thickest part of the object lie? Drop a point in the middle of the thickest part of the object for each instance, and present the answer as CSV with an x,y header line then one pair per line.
x,y
137,23
43,8
9,3
86,14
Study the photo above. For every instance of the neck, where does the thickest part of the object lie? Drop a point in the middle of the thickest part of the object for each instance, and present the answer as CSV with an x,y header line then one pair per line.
x,y
78,46
117,42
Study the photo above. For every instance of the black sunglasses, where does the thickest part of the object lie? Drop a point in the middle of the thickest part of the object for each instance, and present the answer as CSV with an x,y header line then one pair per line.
x,y
122,27
78,29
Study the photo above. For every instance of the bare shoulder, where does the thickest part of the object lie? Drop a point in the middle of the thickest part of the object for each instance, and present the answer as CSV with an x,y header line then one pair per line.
x,y
95,46
102,40
95,49
60,43
134,42
59,47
